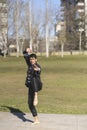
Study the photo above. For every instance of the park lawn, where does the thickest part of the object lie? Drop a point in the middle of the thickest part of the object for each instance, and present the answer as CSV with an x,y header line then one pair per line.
x,y
64,84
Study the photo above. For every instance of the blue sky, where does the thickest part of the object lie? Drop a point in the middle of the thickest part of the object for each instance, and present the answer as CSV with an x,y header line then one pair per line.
x,y
41,3
39,7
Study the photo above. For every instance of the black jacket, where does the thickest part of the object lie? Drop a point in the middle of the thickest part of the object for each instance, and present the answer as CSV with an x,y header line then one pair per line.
x,y
33,79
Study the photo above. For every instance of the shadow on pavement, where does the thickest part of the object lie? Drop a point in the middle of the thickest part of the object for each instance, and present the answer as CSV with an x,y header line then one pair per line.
x,y
18,113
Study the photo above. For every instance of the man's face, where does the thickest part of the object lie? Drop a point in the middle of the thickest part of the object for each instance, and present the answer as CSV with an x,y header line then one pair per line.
x,y
33,60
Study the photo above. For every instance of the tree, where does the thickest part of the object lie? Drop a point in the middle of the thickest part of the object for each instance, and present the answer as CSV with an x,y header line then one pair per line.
x,y
62,38
25,26
14,22
3,27
47,42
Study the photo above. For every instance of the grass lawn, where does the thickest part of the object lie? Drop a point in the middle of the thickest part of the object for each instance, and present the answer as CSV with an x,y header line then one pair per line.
x,y
64,84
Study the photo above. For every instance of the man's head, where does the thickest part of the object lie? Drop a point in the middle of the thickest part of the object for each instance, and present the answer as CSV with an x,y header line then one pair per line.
x,y
33,58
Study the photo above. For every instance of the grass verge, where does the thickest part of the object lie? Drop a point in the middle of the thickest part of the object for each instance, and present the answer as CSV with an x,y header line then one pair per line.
x,y
64,84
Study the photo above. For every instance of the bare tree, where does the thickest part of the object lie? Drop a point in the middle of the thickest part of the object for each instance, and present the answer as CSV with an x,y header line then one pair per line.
x,y
24,24
3,27
62,38
47,42
17,23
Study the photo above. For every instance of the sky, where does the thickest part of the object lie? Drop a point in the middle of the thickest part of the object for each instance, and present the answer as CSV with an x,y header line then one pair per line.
x,y
41,3
38,8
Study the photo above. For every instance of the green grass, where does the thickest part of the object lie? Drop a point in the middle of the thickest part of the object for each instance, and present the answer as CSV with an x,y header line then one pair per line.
x,y
64,84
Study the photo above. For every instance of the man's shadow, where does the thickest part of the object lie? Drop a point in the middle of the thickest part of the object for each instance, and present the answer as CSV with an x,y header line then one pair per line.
x,y
18,113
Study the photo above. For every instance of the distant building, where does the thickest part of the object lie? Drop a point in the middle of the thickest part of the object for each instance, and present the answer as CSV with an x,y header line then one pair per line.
x,y
72,10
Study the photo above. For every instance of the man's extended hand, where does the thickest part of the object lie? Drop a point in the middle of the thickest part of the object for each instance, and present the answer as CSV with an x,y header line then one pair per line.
x,y
28,50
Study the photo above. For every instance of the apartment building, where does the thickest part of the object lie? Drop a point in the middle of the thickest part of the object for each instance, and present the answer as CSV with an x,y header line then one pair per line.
x,y
68,12
3,24
85,18
72,10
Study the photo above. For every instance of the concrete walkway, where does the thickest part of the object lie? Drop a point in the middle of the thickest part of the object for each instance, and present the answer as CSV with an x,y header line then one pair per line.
x,y
23,121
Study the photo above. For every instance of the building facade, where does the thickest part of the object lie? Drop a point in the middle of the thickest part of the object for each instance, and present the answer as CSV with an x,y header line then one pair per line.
x,y
3,24
73,9
86,19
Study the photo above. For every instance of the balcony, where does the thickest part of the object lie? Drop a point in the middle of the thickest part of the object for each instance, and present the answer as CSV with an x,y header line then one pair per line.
x,y
81,4
81,10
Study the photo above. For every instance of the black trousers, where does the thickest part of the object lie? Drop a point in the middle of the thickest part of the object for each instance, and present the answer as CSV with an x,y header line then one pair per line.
x,y
32,108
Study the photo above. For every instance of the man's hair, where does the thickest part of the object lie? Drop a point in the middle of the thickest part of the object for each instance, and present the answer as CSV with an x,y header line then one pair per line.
x,y
33,55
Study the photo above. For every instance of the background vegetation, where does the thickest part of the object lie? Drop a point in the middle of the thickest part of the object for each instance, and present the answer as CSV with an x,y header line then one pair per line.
x,y
64,84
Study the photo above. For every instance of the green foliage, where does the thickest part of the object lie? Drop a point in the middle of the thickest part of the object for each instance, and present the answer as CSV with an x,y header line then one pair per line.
x,y
64,84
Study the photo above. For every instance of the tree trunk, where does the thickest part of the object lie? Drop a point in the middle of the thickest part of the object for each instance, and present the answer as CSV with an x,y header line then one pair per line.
x,y
62,50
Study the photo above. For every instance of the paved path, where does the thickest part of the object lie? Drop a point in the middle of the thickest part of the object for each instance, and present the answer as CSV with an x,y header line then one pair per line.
x,y
23,121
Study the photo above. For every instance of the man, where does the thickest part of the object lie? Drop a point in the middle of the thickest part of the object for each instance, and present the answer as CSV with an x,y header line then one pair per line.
x,y
33,73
